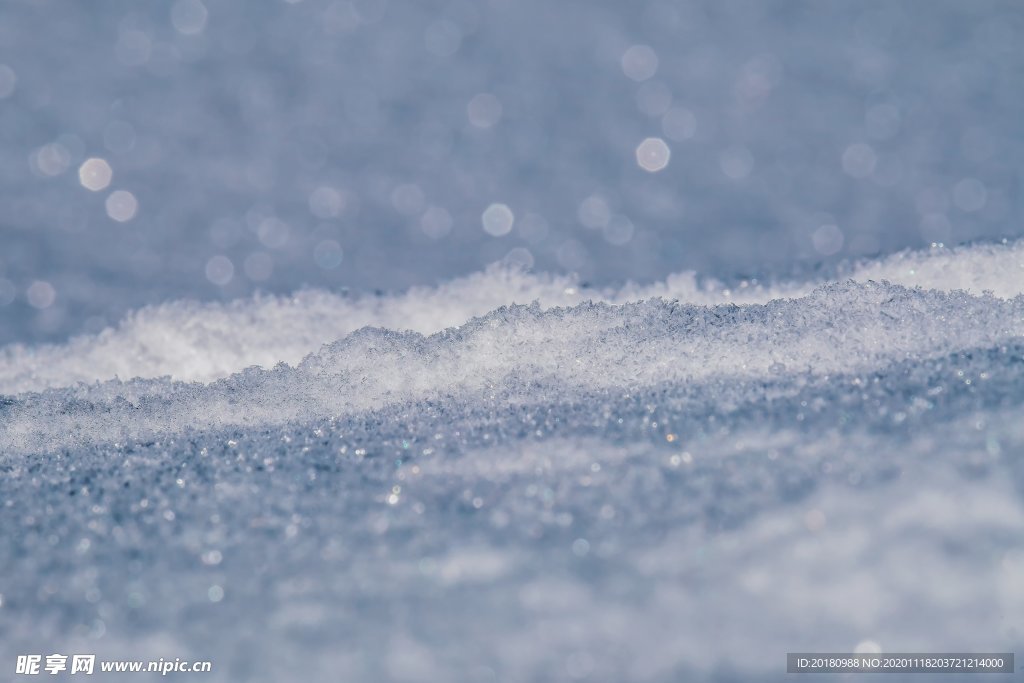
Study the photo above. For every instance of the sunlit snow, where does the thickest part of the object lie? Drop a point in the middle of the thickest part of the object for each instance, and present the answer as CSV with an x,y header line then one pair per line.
x,y
511,340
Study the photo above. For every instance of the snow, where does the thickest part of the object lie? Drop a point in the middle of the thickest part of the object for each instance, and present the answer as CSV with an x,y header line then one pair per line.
x,y
642,490
190,341
511,340
521,351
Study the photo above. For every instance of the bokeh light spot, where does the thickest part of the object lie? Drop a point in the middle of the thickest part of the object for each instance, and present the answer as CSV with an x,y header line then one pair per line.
x,y
436,222
189,16
95,174
498,220
653,154
122,205
328,254
273,232
639,62
484,110
326,202
41,294
827,240
619,231
593,212
220,270
50,160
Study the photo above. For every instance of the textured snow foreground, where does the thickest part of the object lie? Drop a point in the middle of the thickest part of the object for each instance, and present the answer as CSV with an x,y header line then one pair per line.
x,y
541,482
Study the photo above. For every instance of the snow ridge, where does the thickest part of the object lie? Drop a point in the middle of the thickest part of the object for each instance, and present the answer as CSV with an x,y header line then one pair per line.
x,y
841,327
190,341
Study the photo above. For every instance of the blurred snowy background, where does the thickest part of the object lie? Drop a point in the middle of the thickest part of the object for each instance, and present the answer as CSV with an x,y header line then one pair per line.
x,y
728,416
358,143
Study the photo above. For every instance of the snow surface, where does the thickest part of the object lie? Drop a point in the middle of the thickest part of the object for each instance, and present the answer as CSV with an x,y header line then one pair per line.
x,y
639,488
510,340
